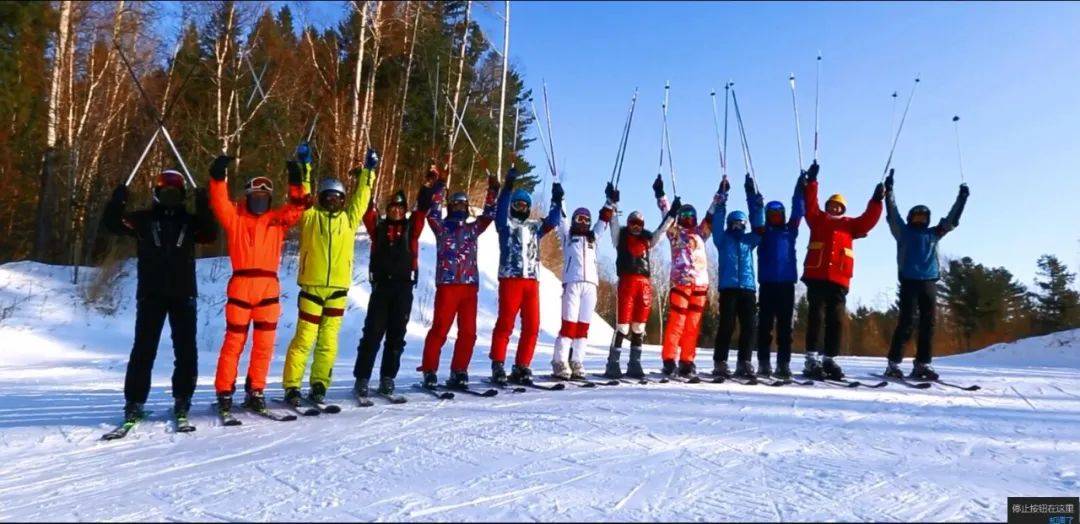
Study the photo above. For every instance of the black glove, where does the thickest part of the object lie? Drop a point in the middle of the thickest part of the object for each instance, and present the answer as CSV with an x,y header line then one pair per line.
x,y
493,183
217,169
811,174
296,175
964,191
725,186
557,192
801,183
889,180
423,198
120,194
511,175
609,190
658,187
879,192
748,185
675,207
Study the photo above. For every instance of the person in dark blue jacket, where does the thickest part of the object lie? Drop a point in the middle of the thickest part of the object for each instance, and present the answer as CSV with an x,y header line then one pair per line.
x,y
777,273
735,246
917,262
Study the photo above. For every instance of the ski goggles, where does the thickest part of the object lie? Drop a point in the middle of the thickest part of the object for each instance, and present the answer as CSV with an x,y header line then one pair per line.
x,y
519,205
260,183
582,219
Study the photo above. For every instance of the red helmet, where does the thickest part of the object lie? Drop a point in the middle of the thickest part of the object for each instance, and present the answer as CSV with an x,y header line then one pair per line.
x,y
170,178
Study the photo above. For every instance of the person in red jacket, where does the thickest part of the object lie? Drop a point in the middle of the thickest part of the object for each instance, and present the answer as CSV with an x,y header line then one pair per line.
x,y
830,262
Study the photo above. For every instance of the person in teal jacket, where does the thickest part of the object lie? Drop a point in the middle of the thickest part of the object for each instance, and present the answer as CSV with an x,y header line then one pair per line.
x,y
735,246
917,263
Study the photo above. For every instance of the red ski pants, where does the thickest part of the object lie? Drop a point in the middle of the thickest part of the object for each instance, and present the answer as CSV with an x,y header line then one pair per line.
x,y
635,299
452,301
253,301
684,322
517,295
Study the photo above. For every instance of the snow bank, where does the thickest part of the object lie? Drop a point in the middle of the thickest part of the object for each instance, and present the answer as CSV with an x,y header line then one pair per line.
x,y
1061,349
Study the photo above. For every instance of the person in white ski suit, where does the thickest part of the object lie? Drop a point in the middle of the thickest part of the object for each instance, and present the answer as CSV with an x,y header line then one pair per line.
x,y
580,282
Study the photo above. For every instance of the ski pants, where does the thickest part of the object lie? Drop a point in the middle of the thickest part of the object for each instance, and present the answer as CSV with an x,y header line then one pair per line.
x,y
517,295
826,299
921,294
578,304
735,304
635,303
150,313
319,321
776,304
452,301
253,301
686,304
388,313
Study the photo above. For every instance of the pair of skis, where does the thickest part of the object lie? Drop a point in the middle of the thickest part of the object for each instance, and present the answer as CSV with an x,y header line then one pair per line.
x,y
926,384
180,424
308,407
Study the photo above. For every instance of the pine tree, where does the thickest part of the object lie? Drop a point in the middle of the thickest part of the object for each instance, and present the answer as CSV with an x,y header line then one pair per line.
x,y
986,304
1057,304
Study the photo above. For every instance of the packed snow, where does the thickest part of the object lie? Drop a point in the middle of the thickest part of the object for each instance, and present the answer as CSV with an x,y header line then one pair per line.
x,y
657,452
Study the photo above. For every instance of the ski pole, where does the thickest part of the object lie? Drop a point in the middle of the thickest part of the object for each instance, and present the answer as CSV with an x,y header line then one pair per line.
x,y
817,93
513,149
892,115
157,131
747,160
461,123
899,128
959,156
616,171
667,141
543,141
716,128
798,129
551,135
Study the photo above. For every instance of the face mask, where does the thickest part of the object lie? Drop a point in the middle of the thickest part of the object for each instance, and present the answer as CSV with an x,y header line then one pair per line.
x,y
395,213
776,218
636,228
737,226
459,211
170,196
258,202
519,210
331,201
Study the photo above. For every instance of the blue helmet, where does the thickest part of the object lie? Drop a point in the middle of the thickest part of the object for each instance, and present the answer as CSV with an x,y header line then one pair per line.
x,y
736,216
521,195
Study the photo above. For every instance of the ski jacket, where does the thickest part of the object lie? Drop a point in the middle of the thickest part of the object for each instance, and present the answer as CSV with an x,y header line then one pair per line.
x,y
456,242
255,240
830,256
777,262
395,246
689,261
165,241
327,240
632,251
917,247
735,268
579,251
519,240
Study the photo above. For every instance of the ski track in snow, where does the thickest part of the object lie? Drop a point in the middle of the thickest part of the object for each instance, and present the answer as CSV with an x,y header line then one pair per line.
x,y
656,452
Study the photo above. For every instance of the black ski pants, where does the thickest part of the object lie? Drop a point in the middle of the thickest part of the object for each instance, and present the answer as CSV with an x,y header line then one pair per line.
x,y
388,315
735,304
776,305
923,295
150,313
826,299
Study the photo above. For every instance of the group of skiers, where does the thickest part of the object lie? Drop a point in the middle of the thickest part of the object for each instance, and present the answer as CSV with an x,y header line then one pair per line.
x,y
255,231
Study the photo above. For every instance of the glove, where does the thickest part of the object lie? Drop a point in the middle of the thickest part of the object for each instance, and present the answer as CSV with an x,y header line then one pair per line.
x,y
493,183
120,194
611,193
801,183
879,192
725,186
431,177
658,187
217,169
511,175
889,180
675,207
557,192
423,198
303,152
371,159
296,175
964,191
811,174
748,185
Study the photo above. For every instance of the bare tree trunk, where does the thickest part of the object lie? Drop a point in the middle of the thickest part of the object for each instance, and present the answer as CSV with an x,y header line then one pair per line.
x,y
457,90
354,129
405,92
369,95
221,54
46,195
502,96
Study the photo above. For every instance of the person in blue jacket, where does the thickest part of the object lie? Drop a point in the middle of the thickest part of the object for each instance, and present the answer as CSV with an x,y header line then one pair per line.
x,y
917,262
735,243
777,273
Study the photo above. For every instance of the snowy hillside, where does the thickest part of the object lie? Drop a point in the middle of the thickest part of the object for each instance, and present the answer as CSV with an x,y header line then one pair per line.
x,y
655,452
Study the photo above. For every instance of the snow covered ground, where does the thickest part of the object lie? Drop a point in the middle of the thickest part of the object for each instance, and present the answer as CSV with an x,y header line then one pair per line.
x,y
656,452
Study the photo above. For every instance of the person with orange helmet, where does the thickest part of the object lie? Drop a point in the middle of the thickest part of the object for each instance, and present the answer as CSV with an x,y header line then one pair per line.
x,y
827,271
255,234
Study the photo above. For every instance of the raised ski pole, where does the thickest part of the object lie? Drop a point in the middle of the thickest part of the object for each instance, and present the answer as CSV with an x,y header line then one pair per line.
x,y
513,148
959,155
817,92
888,163
551,135
747,160
461,122
616,172
716,128
667,141
798,129
157,131
543,141
149,107
727,95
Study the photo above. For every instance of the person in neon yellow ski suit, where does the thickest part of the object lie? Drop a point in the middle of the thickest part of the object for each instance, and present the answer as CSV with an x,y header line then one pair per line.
x,y
327,234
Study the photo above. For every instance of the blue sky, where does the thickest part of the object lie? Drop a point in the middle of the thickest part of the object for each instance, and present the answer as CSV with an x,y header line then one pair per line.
x,y
1010,70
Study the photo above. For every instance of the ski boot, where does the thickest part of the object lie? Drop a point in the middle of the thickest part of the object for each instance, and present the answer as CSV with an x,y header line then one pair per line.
x,y
133,411
293,397
613,369
812,369
458,380
577,370
431,380
520,374
360,389
687,370
560,370
744,369
498,373
893,370
224,403
720,370
783,371
386,386
923,372
255,400
317,393
668,367
832,370
764,370
181,407
633,368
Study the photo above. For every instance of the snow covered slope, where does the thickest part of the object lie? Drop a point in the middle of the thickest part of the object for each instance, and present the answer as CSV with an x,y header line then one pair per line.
x,y
656,452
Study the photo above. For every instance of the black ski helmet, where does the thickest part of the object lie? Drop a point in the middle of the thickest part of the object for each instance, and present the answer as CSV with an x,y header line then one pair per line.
x,y
919,210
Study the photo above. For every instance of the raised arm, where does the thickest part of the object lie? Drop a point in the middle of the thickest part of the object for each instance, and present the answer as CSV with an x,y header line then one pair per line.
x,y
205,227
810,200
488,215
952,220
862,224
607,213
113,217
717,212
223,208
892,214
361,197
502,204
297,200
755,206
798,200
661,231
434,215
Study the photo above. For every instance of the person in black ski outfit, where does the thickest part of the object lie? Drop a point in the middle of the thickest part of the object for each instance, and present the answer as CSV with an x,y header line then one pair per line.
x,y
392,271
165,236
